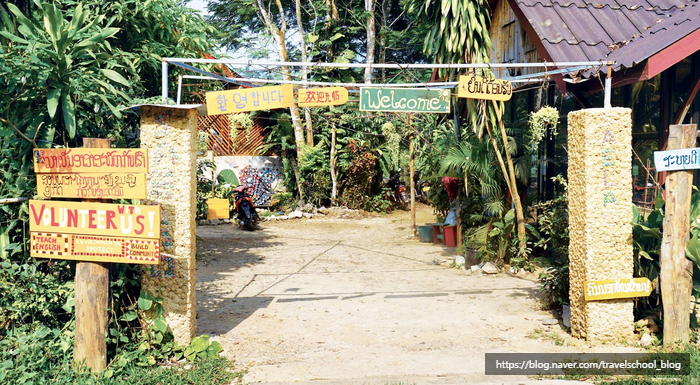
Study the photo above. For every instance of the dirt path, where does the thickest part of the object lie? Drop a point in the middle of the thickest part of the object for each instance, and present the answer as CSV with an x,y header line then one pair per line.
x,y
332,300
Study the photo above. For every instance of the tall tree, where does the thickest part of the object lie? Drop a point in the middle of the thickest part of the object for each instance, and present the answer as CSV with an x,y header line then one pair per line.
x,y
304,73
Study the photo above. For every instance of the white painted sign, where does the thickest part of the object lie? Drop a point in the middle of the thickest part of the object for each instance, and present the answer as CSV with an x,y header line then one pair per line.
x,y
685,159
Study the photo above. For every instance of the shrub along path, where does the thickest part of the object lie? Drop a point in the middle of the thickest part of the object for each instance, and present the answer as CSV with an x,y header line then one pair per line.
x,y
338,300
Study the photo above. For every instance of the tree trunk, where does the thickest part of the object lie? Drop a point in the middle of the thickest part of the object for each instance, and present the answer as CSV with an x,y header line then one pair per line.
x,y
304,74
371,38
519,215
334,178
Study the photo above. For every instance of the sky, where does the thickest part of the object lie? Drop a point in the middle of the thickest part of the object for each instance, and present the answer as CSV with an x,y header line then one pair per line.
x,y
200,5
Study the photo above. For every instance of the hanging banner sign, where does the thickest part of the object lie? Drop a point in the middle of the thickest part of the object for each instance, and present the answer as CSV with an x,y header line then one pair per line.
x,y
617,288
478,87
95,248
90,218
104,160
92,185
674,160
321,97
250,99
404,100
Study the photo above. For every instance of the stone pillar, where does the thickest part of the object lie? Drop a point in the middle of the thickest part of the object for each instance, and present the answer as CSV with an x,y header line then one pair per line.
x,y
170,134
600,216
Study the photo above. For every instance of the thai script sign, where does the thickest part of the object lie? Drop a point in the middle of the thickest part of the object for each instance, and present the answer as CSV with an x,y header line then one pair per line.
x,y
404,100
321,97
684,159
478,87
95,248
250,99
71,160
92,185
617,288
90,218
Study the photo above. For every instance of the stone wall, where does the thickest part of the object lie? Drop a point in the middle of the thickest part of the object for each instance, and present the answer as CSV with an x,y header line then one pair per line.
x,y
600,216
169,134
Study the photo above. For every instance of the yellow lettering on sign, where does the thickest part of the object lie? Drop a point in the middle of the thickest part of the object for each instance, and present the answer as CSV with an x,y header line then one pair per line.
x,y
90,218
217,208
321,97
95,248
116,185
250,99
617,288
478,87
84,160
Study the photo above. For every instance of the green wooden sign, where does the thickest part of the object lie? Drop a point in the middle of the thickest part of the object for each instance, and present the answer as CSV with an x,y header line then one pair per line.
x,y
405,100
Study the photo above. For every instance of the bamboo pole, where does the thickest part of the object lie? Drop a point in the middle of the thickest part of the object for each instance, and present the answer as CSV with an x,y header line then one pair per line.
x,y
91,298
413,175
676,270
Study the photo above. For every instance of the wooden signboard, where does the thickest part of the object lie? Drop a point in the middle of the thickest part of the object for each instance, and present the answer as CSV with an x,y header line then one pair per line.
x,y
250,99
322,97
217,208
478,87
95,248
405,100
90,218
674,160
86,160
118,185
617,288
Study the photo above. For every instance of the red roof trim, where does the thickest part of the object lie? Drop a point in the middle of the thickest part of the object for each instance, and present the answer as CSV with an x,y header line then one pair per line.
x,y
674,53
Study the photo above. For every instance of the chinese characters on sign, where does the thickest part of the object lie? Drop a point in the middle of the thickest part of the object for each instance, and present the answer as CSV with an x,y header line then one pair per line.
x,y
250,99
92,185
617,288
477,87
404,100
319,97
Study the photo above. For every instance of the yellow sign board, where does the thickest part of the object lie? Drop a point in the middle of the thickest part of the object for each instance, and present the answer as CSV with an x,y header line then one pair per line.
x,y
478,87
250,99
117,185
90,218
617,288
217,208
321,97
95,248
84,160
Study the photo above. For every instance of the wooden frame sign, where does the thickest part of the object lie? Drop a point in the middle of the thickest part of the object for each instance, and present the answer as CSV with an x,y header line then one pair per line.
x,y
95,248
674,160
90,160
617,288
405,100
478,87
118,185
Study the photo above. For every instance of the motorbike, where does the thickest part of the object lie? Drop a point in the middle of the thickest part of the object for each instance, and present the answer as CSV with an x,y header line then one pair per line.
x,y
246,215
399,195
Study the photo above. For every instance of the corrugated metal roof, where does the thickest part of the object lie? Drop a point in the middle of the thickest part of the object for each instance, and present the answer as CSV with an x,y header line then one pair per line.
x,y
681,23
587,30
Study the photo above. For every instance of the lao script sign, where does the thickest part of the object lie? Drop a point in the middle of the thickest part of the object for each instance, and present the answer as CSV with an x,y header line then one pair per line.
x,y
617,288
95,248
673,160
250,99
405,100
322,97
90,218
92,185
103,160
477,87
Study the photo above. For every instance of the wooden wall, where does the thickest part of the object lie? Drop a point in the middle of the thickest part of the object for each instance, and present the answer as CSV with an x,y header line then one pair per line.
x,y
510,43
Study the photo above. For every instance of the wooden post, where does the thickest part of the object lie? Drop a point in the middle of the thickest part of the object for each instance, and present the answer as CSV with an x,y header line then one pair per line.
x,y
676,270
412,169
334,190
91,294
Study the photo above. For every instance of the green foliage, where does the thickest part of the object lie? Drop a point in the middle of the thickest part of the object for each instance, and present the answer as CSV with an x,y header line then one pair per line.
x,y
228,176
542,121
202,142
315,174
282,201
555,285
496,241
204,186
359,176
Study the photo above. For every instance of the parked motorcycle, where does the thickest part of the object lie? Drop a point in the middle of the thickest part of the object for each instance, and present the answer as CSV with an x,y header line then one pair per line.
x,y
246,215
399,195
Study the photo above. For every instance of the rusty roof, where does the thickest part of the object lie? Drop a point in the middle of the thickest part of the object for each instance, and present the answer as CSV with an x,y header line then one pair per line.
x,y
588,30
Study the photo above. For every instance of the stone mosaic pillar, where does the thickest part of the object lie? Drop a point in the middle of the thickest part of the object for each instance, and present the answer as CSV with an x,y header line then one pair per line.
x,y
170,134
600,216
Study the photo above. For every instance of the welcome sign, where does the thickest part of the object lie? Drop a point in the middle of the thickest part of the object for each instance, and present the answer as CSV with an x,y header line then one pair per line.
x,y
405,100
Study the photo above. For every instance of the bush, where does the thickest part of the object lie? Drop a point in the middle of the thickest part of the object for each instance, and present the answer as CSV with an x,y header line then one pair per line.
x,y
282,201
359,177
315,175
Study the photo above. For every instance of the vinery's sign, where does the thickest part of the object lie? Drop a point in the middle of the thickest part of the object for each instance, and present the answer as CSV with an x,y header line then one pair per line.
x,y
673,160
617,288
95,248
250,99
404,100
321,97
92,185
477,87
90,160
89,218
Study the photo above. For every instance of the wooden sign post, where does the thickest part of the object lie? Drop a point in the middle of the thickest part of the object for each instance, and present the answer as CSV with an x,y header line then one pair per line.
x,y
676,270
